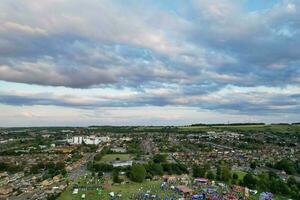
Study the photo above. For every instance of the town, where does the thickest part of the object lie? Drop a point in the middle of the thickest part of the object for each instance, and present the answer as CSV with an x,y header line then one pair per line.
x,y
235,161
150,100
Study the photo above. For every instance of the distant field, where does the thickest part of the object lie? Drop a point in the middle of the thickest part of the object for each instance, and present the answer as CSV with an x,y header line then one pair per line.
x,y
112,157
193,127
278,128
240,126
255,128
223,126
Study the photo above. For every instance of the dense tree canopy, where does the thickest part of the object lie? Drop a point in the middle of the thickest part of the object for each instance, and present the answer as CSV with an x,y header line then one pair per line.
x,y
137,173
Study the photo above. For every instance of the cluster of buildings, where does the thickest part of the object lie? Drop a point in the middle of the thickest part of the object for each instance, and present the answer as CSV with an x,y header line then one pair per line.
x,y
20,186
89,140
231,147
189,149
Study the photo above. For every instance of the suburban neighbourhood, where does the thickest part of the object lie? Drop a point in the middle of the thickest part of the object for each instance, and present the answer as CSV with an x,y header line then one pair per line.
x,y
192,162
149,100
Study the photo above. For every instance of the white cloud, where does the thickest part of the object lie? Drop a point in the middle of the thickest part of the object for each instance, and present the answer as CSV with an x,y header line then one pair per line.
x,y
211,55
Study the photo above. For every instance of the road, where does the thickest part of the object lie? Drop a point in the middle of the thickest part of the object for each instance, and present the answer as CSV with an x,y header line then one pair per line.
x,y
73,175
82,170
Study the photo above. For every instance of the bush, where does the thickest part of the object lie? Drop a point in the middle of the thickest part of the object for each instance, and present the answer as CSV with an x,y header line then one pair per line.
x,y
102,167
250,181
154,169
159,158
198,171
137,173
286,165
116,178
210,175
235,176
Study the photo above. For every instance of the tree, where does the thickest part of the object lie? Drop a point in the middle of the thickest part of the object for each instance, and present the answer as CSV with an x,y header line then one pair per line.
x,y
154,168
223,172
137,173
253,165
250,181
116,178
64,172
279,187
90,166
100,174
287,166
159,158
226,173
210,175
34,169
207,167
174,168
167,168
198,171
263,181
235,176
219,172
273,175
291,181
102,167
179,168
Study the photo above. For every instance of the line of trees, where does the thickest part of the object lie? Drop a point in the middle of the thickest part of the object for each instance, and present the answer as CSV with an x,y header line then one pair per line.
x,y
288,166
271,182
50,169
139,172
264,181
231,124
10,167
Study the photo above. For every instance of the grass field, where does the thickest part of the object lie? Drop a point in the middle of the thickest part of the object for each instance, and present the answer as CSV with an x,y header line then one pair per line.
x,y
126,190
241,174
275,128
90,194
112,157
263,128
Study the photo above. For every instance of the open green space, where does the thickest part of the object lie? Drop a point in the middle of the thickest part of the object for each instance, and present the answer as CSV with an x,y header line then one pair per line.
x,y
240,174
275,128
89,194
126,190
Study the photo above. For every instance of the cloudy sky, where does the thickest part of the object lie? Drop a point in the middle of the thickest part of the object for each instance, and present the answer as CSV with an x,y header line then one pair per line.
x,y
134,62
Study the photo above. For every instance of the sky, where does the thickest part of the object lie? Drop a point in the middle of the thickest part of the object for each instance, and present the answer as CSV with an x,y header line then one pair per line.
x,y
142,62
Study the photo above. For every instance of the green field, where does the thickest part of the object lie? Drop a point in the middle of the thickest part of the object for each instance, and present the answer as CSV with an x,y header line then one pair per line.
x,y
90,194
112,157
254,128
132,188
274,128
126,190
241,174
